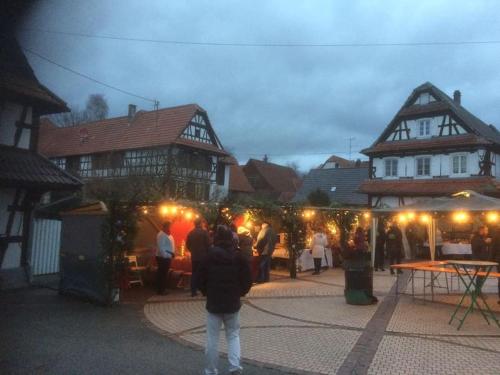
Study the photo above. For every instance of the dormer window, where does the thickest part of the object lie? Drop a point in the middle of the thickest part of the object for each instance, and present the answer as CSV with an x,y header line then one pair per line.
x,y
424,128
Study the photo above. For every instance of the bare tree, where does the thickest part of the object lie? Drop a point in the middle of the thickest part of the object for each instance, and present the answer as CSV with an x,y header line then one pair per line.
x,y
96,107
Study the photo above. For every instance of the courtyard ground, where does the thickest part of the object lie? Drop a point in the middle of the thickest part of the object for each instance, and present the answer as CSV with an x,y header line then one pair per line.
x,y
298,326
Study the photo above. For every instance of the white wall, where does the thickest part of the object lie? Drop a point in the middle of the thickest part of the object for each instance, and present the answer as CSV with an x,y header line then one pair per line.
x,y
219,192
394,201
441,165
9,114
435,122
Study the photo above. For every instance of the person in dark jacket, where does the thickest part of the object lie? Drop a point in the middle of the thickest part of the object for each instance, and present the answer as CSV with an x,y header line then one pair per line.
x,y
197,243
480,246
245,242
380,248
266,242
495,255
224,278
394,245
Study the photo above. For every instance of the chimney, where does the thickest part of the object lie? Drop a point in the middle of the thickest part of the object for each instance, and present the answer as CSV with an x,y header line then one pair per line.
x,y
131,111
457,97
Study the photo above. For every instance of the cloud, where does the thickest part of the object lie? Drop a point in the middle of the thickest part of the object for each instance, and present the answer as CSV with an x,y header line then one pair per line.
x,y
286,102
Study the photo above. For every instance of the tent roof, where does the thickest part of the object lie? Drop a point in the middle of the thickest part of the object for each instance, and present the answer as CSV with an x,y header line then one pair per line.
x,y
467,200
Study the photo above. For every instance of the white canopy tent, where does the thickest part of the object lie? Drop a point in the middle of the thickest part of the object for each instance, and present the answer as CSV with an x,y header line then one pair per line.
x,y
465,201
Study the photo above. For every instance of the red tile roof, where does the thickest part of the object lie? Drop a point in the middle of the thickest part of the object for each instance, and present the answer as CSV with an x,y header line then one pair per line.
x,y
427,144
147,129
238,182
279,177
430,187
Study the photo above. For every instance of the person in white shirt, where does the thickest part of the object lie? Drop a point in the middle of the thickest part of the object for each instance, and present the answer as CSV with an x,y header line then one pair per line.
x,y
165,251
318,244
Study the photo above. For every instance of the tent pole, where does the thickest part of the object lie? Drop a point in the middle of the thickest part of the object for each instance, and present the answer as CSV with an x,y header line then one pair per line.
x,y
374,237
432,238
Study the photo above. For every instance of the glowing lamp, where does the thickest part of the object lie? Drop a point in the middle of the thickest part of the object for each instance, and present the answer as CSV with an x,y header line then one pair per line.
x,y
425,219
248,224
366,215
174,210
460,217
188,215
164,210
402,218
145,211
492,217
410,216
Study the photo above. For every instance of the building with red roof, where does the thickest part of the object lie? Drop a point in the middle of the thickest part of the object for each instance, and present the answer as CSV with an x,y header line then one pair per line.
x,y
177,144
432,147
271,180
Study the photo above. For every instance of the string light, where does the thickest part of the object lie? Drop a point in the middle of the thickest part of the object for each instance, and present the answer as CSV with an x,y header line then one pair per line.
x,y
460,217
492,217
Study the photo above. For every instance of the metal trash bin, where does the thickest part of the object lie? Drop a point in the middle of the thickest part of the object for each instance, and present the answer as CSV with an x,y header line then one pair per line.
x,y
359,282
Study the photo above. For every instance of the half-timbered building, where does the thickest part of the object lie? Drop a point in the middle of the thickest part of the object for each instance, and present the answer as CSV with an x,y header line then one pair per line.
x,y
177,146
25,175
432,147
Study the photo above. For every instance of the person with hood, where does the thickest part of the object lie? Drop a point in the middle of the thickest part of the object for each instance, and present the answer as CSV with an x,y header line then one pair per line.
x,y
266,241
394,245
224,278
318,244
197,243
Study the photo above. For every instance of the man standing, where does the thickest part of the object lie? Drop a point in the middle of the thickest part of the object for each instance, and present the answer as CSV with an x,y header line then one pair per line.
x,y
495,255
266,241
480,246
197,243
224,277
165,251
394,245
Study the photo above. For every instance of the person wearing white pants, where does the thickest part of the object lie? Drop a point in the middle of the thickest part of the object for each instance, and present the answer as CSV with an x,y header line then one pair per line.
x,y
232,329
225,276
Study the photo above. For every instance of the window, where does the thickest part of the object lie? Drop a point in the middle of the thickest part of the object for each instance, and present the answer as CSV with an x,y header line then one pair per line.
x,y
459,164
423,166
424,128
60,162
391,167
221,173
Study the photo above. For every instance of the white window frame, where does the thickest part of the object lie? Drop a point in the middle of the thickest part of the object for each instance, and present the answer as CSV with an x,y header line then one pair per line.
x,y
460,157
424,127
423,167
392,161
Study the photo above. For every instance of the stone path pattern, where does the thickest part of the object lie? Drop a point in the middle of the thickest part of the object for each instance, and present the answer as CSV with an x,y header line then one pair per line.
x,y
305,326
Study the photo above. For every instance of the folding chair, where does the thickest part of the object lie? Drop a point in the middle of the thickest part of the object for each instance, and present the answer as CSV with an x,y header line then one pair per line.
x,y
135,276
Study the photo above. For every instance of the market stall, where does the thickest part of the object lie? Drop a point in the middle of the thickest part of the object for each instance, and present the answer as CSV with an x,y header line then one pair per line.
x,y
461,213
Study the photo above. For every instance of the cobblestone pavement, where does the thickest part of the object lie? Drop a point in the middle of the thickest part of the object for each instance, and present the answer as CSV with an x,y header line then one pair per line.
x,y
305,326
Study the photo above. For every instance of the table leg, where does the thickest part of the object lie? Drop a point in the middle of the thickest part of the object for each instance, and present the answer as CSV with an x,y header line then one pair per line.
x,y
397,282
424,284
432,286
468,291
413,284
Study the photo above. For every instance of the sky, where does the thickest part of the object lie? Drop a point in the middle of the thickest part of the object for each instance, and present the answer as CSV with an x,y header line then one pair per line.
x,y
297,104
